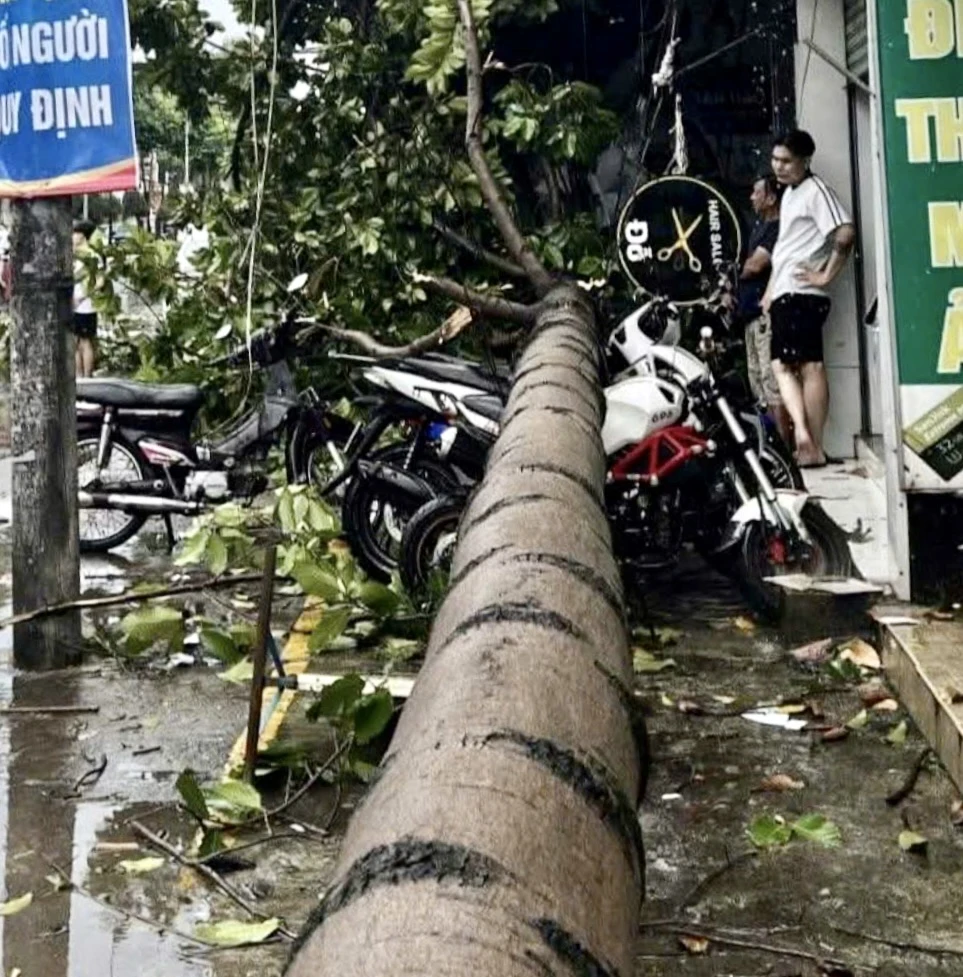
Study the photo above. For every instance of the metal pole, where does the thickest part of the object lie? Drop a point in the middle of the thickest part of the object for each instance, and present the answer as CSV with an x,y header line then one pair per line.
x,y
46,560
262,635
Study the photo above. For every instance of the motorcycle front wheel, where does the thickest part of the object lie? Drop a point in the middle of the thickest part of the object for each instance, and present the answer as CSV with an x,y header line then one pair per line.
x,y
101,530
372,524
763,554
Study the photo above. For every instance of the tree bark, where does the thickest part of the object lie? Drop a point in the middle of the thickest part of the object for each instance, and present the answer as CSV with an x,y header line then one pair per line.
x,y
46,560
501,837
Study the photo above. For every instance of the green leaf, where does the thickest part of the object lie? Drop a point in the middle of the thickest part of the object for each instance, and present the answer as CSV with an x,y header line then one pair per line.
x,y
911,841
331,626
192,795
18,905
233,801
898,734
317,582
378,598
216,555
149,625
644,661
814,827
220,646
243,634
194,548
233,932
859,720
211,841
286,513
363,770
373,715
240,673
769,831
229,516
140,866
338,699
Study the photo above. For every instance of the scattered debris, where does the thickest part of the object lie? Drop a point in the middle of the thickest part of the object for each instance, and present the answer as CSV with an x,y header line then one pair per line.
x,y
887,705
898,796
898,734
912,841
774,716
940,616
696,945
233,933
780,782
815,653
872,692
956,814
773,831
861,653
858,721
644,662
953,695
835,734
140,866
91,776
52,710
743,623
18,905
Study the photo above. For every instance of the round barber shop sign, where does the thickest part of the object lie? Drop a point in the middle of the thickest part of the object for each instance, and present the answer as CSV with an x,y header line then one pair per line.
x,y
676,236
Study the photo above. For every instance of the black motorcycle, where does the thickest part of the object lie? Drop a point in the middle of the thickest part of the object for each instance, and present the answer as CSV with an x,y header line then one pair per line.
x,y
137,457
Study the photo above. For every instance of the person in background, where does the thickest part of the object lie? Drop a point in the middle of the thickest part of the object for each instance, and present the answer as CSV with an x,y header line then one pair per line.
x,y
816,236
84,318
753,280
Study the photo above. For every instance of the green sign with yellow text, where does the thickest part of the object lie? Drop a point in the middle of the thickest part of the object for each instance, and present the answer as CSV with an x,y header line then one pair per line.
x,y
921,82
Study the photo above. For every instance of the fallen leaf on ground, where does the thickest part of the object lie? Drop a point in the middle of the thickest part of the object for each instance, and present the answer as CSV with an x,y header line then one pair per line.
x,y
872,692
861,653
769,831
793,708
140,866
644,661
912,841
814,827
690,707
835,734
667,702
815,653
724,700
781,782
858,721
816,708
57,882
696,945
743,623
232,932
898,734
887,705
18,905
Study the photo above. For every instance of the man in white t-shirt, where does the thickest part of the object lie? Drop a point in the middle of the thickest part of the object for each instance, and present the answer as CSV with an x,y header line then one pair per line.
x,y
85,316
816,236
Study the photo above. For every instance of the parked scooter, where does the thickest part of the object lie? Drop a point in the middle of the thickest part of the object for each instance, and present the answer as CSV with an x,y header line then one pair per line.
x,y
137,457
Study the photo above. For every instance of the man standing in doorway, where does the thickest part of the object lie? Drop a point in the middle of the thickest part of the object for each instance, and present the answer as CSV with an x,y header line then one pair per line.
x,y
752,285
816,236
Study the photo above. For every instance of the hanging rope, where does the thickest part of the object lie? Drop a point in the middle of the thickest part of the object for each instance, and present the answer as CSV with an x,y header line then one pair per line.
x,y
680,153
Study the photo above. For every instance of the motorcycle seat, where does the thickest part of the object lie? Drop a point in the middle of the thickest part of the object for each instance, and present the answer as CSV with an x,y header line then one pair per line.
x,y
489,406
458,371
131,394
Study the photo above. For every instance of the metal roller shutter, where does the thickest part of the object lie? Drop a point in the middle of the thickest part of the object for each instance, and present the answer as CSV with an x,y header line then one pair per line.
x,y
857,47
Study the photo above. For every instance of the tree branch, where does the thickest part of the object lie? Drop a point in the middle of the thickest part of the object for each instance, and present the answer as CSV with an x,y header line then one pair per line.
x,y
490,305
517,246
477,251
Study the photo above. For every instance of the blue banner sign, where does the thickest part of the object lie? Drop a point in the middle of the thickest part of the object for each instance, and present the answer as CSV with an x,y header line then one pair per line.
x,y
66,104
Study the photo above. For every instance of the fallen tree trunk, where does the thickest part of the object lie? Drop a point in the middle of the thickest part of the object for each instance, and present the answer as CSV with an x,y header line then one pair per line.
x,y
501,838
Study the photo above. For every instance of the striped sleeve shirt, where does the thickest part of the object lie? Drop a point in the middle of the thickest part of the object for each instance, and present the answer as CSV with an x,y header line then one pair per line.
x,y
808,216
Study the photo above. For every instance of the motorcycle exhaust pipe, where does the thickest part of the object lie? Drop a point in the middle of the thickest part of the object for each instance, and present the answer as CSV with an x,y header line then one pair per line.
x,y
153,505
399,486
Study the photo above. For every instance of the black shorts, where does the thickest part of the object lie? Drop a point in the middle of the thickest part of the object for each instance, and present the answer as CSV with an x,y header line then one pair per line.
x,y
84,325
797,327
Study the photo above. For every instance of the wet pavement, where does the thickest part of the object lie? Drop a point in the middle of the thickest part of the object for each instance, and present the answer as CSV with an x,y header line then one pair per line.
x,y
794,907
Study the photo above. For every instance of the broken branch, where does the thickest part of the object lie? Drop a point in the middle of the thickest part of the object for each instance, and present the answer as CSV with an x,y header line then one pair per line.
x,y
900,795
490,305
48,710
700,888
128,597
900,944
517,246
503,265
204,870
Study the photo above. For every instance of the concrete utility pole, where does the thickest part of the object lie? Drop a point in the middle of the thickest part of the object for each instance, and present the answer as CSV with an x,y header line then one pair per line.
x,y
46,559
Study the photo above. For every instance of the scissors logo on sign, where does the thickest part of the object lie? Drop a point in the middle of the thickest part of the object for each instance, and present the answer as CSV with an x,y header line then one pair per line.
x,y
682,242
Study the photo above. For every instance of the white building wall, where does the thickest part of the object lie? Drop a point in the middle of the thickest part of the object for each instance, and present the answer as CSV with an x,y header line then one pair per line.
x,y
822,109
